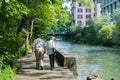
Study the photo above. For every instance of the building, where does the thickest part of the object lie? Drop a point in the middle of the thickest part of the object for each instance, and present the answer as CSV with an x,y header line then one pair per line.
x,y
109,6
81,14
98,7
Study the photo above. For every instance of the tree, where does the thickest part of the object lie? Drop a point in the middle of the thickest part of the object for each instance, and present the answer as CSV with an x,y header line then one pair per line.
x,y
45,18
100,21
11,48
86,2
116,16
21,17
106,32
64,20
116,33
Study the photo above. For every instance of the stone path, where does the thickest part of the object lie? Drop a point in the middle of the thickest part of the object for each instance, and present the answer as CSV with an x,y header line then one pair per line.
x,y
28,71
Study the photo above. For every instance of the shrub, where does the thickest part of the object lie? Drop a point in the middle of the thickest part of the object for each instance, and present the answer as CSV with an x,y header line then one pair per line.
x,y
106,32
78,37
7,73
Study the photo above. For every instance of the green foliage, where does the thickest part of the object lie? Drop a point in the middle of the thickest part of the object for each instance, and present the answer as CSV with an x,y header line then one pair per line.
x,y
89,35
78,37
64,21
7,73
96,33
18,14
100,21
76,30
45,19
50,16
100,31
11,9
116,14
70,0
76,34
46,13
106,32
25,32
116,32
86,2
116,37
62,17
11,49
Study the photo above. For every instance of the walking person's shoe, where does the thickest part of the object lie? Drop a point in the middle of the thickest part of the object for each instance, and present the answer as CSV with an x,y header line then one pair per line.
x,y
51,68
42,68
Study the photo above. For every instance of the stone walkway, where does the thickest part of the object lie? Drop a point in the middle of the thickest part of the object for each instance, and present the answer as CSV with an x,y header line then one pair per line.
x,y
28,71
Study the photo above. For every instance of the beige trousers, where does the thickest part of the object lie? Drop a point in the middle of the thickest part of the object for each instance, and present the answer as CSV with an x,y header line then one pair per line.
x,y
39,58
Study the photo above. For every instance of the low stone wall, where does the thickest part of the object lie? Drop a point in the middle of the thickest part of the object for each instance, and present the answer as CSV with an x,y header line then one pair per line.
x,y
67,60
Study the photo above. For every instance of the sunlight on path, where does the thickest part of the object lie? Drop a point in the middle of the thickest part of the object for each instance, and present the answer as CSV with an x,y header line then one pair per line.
x,y
28,71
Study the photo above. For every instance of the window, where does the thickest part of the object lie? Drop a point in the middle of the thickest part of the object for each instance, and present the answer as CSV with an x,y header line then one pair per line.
x,y
104,9
80,4
79,22
88,10
88,16
108,9
111,8
80,16
79,10
72,15
115,4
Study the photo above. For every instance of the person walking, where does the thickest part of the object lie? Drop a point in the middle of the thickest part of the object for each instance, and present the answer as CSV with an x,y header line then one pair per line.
x,y
39,49
51,51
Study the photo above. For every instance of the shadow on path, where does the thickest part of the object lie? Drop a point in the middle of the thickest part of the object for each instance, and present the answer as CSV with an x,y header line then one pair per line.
x,y
27,70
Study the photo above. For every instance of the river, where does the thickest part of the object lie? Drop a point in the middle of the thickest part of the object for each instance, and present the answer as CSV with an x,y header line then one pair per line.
x,y
93,59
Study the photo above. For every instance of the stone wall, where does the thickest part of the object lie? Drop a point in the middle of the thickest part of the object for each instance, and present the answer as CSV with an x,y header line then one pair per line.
x,y
67,60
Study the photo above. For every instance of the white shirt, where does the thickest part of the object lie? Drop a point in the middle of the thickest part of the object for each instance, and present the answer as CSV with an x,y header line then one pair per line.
x,y
38,44
51,45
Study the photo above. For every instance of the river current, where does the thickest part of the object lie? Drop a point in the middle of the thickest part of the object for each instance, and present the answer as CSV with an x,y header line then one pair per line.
x,y
93,59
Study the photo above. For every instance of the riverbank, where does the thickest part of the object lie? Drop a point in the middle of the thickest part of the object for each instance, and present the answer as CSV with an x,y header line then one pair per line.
x,y
28,71
91,44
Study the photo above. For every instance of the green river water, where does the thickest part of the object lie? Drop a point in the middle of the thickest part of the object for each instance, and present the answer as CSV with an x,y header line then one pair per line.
x,y
93,59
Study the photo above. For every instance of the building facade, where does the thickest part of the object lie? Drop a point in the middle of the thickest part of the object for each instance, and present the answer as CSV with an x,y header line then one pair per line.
x,y
109,6
81,14
97,7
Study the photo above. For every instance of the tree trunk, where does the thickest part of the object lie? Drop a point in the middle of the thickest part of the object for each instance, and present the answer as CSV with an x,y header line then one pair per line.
x,y
27,44
31,31
27,21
